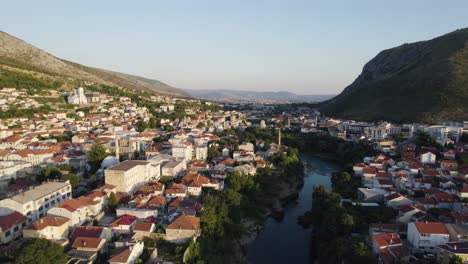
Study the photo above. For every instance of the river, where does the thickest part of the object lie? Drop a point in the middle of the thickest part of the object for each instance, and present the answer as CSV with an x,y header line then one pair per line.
x,y
286,241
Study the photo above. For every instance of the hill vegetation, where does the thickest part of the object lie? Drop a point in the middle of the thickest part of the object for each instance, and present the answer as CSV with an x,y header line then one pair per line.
x,y
422,81
23,65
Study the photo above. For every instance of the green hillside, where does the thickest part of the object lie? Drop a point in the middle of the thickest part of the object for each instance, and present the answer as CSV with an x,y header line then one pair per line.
x,y
25,66
422,81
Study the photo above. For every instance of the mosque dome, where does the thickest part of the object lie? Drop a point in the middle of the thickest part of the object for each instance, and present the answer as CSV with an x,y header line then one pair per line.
x,y
109,161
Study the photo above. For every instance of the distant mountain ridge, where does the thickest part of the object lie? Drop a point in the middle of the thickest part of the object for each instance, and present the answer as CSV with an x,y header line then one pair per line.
x,y
256,96
18,55
422,81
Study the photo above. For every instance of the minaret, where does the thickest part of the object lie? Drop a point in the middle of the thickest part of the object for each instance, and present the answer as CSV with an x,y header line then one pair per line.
x,y
279,137
117,153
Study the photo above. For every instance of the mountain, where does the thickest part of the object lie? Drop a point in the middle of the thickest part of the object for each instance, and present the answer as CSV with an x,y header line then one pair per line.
x,y
422,81
21,57
255,96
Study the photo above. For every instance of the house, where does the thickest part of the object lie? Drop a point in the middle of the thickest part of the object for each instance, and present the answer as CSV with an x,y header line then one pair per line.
x,y
396,200
372,194
143,229
123,224
92,231
156,202
428,157
424,236
406,212
182,229
86,249
151,188
358,168
382,241
449,164
447,252
368,175
176,190
127,255
188,206
72,209
52,228
11,225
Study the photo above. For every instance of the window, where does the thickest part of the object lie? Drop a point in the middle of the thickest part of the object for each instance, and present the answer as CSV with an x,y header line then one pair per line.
x,y
15,229
8,233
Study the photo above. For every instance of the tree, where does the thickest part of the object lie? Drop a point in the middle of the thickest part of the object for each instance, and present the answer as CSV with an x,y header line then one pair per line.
x,y
73,178
40,251
112,202
96,155
212,152
398,137
456,260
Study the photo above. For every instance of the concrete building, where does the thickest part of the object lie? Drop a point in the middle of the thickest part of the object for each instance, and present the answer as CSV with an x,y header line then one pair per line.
x,y
36,202
182,229
8,169
424,236
173,168
183,151
130,174
11,225
52,228
201,152
77,96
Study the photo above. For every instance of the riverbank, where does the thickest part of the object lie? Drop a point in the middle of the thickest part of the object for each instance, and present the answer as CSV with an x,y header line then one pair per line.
x,y
289,194
286,241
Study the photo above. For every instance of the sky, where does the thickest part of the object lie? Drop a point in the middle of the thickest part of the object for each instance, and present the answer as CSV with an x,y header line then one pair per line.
x,y
306,47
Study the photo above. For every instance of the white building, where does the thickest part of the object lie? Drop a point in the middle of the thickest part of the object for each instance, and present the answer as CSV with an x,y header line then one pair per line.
x,y
130,174
173,168
201,152
77,96
128,255
425,236
378,132
52,228
36,202
182,151
428,157
8,169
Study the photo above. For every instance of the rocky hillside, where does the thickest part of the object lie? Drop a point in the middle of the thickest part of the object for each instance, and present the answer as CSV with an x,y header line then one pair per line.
x,y
422,81
23,58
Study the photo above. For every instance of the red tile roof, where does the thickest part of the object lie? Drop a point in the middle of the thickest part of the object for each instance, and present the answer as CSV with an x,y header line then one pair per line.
x,y
431,228
11,220
185,222
87,231
385,240
87,242
123,220
46,222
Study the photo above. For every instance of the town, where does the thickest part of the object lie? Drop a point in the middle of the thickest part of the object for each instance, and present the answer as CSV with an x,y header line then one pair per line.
x,y
103,176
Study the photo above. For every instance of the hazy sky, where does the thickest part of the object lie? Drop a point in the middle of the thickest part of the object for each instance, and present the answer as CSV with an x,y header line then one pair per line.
x,y
308,47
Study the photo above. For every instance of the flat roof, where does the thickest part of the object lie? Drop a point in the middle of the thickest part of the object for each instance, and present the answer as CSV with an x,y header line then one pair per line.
x,y
39,191
128,165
